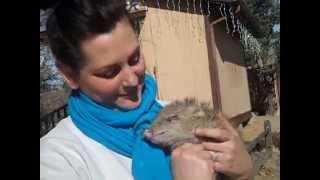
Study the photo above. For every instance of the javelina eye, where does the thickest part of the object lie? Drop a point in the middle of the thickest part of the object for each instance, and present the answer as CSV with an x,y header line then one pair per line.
x,y
173,117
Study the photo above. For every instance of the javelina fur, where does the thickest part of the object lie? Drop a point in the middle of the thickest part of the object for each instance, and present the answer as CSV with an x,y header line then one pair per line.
x,y
173,126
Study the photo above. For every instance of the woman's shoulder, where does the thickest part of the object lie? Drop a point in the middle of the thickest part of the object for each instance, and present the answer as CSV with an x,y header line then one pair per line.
x,y
59,154
74,151
61,140
62,132
65,137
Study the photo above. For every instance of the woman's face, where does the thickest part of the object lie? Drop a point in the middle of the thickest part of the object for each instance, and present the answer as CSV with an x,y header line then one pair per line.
x,y
114,67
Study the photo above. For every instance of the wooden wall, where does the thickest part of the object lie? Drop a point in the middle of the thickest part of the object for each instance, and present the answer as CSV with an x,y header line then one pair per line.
x,y
176,53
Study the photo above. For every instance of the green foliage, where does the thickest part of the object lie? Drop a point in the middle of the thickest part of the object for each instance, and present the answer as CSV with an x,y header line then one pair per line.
x,y
263,53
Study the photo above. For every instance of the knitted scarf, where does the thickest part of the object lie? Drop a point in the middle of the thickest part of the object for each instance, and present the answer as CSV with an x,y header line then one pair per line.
x,y
122,130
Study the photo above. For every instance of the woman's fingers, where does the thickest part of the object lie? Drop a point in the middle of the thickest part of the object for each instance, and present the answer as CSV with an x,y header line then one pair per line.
x,y
193,147
206,155
192,160
219,167
221,162
215,147
214,133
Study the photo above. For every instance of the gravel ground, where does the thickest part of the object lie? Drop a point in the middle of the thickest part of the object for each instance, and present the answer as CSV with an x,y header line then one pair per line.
x,y
271,169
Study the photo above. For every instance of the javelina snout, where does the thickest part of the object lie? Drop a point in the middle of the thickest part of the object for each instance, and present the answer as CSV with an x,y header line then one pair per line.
x,y
148,133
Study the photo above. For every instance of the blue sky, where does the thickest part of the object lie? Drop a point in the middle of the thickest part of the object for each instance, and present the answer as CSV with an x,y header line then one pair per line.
x,y
276,28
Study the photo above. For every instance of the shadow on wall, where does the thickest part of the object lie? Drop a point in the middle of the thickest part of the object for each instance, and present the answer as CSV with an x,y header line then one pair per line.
x,y
228,46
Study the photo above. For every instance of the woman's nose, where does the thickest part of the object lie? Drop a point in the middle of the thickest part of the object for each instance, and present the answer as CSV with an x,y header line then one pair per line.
x,y
131,78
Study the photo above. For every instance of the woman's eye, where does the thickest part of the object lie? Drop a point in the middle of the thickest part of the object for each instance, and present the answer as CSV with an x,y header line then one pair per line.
x,y
134,60
112,72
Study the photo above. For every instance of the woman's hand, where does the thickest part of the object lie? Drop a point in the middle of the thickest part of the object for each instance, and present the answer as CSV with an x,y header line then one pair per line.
x,y
229,154
192,161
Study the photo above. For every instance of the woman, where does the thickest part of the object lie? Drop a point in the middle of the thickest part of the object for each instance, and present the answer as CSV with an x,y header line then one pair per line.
x,y
113,101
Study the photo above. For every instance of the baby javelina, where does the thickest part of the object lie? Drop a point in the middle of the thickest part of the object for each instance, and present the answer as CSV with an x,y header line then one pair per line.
x,y
175,122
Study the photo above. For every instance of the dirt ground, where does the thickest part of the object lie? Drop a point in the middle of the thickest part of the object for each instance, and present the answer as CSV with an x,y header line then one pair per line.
x,y
271,169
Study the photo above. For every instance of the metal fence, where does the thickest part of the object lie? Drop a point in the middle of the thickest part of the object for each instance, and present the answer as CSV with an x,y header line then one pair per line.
x,y
50,120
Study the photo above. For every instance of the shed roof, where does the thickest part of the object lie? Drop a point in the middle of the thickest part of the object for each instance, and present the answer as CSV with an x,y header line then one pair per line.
x,y
136,9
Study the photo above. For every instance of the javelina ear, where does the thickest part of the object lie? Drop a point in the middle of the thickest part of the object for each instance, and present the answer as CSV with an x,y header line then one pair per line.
x,y
190,100
198,114
205,106
222,120
220,115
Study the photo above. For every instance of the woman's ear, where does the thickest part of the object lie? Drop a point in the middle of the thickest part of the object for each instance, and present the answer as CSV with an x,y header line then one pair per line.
x,y
69,75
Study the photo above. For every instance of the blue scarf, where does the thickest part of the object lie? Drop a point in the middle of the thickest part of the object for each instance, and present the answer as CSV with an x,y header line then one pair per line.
x,y
122,130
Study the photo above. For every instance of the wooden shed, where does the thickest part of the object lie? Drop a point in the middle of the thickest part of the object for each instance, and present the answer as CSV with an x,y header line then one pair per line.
x,y
190,54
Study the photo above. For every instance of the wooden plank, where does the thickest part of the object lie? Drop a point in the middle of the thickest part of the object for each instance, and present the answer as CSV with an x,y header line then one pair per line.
x,y
214,76
175,50
232,73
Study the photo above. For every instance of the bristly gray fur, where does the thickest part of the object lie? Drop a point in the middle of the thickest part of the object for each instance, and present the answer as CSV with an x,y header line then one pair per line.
x,y
175,122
